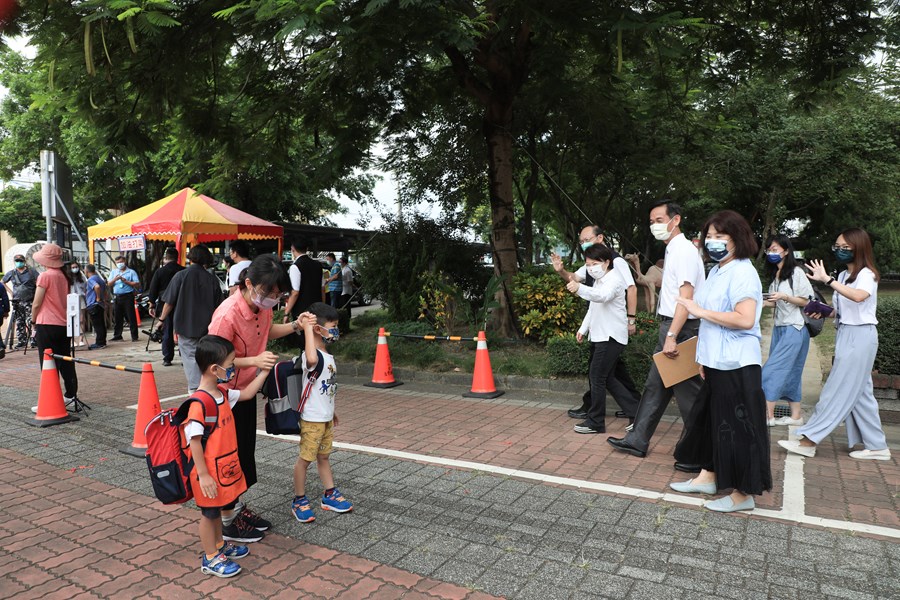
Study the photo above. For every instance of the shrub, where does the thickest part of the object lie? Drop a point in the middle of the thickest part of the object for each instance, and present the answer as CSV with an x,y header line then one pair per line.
x,y
545,307
888,358
371,318
565,356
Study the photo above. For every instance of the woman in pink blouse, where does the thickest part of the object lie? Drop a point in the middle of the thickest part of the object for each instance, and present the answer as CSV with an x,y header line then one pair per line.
x,y
245,319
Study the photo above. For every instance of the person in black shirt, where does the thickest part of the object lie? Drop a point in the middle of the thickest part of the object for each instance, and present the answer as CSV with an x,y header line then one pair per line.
x,y
191,298
161,279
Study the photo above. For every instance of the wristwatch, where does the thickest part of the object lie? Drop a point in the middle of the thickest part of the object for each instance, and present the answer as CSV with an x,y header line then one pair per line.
x,y
671,334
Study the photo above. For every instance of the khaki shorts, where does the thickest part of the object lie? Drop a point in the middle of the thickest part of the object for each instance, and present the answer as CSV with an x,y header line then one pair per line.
x,y
315,439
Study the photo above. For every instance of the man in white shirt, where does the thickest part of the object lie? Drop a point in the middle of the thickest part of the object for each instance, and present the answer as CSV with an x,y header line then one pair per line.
x,y
683,275
347,280
590,235
240,253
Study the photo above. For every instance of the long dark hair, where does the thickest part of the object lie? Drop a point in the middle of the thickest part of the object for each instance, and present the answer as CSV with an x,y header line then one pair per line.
x,y
76,277
863,255
788,263
265,271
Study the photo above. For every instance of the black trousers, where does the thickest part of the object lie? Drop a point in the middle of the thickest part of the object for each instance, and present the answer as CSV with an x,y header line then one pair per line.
x,y
656,396
125,311
602,377
245,430
623,391
54,337
168,335
344,303
97,312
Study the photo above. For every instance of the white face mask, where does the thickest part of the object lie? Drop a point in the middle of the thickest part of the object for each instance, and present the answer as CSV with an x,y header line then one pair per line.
x,y
596,271
661,231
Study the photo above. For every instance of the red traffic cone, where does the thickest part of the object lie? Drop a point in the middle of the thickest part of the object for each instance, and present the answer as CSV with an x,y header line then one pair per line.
x,y
383,375
51,408
483,377
148,407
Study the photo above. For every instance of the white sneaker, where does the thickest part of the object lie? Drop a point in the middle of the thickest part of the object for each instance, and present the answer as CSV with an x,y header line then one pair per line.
x,y
871,454
771,422
789,421
795,447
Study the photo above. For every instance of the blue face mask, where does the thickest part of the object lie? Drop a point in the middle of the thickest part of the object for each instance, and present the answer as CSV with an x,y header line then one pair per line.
x,y
229,374
335,334
774,258
19,264
717,249
586,245
843,256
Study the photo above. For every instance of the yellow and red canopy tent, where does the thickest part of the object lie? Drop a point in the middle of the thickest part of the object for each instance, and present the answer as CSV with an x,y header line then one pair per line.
x,y
186,217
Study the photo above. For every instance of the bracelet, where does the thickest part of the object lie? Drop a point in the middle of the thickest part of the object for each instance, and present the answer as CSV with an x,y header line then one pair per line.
x,y
632,316
829,282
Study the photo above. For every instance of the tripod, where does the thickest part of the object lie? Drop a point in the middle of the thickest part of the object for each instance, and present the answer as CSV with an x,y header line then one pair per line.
x,y
11,333
75,328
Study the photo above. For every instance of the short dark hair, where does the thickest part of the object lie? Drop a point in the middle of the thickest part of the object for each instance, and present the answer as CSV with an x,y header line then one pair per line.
x,y
241,248
598,252
299,244
212,350
672,209
172,253
200,255
345,260
90,269
267,272
324,312
331,255
19,257
120,257
733,224
595,228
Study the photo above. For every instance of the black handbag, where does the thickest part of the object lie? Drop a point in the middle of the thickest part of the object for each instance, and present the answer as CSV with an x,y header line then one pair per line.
x,y
813,326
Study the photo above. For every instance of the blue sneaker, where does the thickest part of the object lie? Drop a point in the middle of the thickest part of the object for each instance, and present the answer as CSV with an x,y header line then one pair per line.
x,y
303,512
219,566
336,502
233,550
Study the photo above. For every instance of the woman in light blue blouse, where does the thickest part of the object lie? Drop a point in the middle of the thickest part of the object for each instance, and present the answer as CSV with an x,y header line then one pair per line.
x,y
732,438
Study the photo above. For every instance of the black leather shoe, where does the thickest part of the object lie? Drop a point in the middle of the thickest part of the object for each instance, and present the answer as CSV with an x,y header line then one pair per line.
x,y
621,444
688,468
577,413
117,338
620,414
167,363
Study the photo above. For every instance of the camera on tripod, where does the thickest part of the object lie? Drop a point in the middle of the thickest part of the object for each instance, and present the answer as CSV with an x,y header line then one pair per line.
x,y
155,335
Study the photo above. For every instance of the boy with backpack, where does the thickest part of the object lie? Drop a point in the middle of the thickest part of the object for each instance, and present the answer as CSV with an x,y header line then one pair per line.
x,y
317,418
216,480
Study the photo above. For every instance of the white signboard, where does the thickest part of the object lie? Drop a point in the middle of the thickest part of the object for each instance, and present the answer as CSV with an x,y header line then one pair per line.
x,y
131,242
73,315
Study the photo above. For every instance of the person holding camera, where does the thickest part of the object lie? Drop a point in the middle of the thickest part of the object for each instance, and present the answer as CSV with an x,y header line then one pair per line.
x,y
847,395
24,283
158,285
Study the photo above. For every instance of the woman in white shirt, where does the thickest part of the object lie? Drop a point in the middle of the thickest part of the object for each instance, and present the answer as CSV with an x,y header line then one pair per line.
x,y
731,437
606,325
789,292
847,394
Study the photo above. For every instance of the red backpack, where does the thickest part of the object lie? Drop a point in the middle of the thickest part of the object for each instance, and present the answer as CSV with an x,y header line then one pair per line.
x,y
170,468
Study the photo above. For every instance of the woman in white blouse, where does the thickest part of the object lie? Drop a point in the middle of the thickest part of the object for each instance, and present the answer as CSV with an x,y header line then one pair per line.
x,y
847,394
606,326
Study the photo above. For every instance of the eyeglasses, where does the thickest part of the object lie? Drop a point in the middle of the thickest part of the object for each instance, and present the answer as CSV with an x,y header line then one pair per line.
x,y
845,247
274,295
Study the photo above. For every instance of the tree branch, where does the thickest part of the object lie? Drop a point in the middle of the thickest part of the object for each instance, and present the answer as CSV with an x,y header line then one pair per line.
x,y
465,77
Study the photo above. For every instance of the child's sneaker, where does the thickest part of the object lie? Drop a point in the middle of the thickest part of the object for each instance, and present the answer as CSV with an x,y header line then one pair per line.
x,y
233,550
219,566
336,502
303,512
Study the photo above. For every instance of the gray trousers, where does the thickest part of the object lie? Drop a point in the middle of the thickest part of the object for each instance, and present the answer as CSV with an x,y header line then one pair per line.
x,y
847,394
656,396
188,348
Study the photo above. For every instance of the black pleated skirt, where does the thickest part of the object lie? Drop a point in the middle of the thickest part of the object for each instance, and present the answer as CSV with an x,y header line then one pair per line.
x,y
727,432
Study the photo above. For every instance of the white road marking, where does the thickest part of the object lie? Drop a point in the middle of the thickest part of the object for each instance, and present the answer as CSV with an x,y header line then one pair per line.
x,y
161,400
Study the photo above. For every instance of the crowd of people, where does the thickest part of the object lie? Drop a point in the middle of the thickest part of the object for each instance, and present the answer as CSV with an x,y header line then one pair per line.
x,y
728,407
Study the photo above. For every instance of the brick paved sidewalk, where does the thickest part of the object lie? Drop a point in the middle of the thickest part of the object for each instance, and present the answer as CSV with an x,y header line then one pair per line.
x,y
69,537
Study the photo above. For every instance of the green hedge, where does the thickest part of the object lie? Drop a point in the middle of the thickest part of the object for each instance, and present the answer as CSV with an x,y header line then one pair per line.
x,y
888,358
567,357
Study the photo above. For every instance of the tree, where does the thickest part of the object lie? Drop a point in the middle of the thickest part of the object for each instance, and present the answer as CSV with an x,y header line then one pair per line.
x,y
20,213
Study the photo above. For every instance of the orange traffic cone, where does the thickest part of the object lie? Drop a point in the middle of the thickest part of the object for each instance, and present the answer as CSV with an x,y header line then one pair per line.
x,y
51,409
383,376
483,377
148,407
137,313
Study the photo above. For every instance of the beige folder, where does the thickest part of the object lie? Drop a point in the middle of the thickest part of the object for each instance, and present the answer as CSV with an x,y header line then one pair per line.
x,y
682,367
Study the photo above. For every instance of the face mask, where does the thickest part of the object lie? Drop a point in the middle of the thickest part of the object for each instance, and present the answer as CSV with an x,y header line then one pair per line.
x,y
265,303
774,258
121,266
661,231
843,256
19,264
74,269
596,271
586,245
334,332
229,373
717,249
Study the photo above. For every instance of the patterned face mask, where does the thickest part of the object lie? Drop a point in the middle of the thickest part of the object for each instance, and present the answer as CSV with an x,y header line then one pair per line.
x,y
229,374
333,334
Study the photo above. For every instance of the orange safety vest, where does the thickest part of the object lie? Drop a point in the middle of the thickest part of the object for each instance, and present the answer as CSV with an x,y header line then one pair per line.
x,y
221,457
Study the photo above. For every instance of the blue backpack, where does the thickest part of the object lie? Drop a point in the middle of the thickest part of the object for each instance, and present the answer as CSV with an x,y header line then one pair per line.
x,y
287,395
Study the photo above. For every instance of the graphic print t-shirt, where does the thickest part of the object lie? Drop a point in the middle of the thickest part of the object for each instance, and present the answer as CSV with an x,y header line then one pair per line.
x,y
319,406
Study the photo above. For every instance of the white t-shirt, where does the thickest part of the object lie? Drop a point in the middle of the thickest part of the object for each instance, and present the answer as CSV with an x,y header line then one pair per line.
x,y
347,280
235,271
683,265
785,312
193,428
619,265
857,313
319,407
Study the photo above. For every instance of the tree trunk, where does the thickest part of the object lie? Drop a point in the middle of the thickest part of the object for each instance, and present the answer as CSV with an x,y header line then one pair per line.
x,y
503,222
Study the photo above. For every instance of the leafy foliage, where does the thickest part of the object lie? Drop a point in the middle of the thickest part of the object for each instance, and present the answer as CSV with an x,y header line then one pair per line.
x,y
20,213
545,307
888,358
